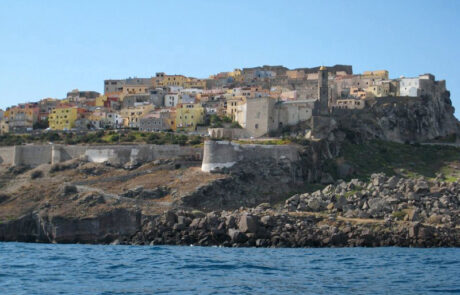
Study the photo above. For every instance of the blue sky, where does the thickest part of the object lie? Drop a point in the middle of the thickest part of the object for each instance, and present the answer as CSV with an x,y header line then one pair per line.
x,y
50,47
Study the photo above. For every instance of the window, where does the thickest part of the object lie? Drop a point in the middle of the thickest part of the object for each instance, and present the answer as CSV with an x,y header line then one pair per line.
x,y
257,126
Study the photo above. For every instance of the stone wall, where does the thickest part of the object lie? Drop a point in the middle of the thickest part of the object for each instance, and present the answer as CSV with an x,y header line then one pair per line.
x,y
6,155
224,154
34,155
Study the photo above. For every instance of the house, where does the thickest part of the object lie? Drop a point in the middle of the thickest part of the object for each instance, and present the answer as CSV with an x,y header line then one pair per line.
x,y
256,115
189,115
423,85
157,120
350,104
63,117
22,118
131,116
171,99
4,126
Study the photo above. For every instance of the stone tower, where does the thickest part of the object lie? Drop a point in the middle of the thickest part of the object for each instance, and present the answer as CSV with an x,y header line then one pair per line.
x,y
323,91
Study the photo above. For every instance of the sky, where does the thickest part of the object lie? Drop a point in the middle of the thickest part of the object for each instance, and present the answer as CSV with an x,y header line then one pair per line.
x,y
48,48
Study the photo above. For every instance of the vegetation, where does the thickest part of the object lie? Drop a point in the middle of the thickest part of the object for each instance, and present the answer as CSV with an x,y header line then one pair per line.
x,y
410,160
101,137
281,141
216,121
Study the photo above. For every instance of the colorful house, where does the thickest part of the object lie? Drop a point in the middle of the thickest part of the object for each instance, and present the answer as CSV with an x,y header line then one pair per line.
x,y
63,117
189,115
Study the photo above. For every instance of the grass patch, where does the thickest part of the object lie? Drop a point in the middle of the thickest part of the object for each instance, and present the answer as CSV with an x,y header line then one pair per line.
x,y
265,142
101,137
399,215
404,159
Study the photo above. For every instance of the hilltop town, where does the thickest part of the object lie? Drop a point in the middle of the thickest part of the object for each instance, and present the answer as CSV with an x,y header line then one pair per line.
x,y
292,158
249,102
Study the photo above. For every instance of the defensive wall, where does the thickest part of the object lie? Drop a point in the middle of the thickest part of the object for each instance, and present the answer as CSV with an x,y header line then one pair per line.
x,y
221,154
34,155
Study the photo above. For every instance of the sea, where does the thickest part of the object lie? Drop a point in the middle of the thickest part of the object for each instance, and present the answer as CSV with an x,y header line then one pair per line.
x,y
102,269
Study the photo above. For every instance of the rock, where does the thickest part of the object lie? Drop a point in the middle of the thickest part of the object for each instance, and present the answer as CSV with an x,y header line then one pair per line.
x,y
266,220
236,236
413,215
315,204
330,206
340,202
247,224
421,186
184,220
392,182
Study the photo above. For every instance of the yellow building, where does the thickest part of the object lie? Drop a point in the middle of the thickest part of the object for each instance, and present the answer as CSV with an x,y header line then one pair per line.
x,y
170,80
383,74
295,74
378,90
134,89
101,100
232,105
4,127
64,117
358,92
195,83
189,115
132,115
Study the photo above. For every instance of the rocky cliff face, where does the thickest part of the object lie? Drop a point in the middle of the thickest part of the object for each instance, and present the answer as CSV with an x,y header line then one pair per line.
x,y
403,119
104,228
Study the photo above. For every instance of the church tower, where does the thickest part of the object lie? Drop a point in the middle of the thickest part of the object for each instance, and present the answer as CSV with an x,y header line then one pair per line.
x,y
323,91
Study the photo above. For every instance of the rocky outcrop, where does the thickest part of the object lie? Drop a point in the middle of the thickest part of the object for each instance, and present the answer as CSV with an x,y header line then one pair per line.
x,y
105,228
265,227
403,119
389,198
249,183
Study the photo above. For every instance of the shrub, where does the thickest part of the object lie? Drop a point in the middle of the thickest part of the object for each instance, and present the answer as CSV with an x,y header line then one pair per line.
x,y
36,174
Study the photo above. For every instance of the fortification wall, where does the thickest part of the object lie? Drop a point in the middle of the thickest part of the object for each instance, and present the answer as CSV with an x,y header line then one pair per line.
x,y
7,155
221,154
34,155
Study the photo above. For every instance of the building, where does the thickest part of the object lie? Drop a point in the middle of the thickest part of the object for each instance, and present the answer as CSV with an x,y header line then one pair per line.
x,y
1,114
256,115
22,118
4,126
350,104
158,120
296,74
131,116
171,99
357,92
423,85
322,108
291,113
64,117
162,80
188,116
79,96
378,90
114,86
232,105
382,74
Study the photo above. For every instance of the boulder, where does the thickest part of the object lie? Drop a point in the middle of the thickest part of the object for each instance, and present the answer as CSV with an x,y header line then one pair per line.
x,y
236,236
248,224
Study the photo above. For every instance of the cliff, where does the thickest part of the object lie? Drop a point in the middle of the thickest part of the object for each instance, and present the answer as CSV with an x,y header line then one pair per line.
x,y
402,119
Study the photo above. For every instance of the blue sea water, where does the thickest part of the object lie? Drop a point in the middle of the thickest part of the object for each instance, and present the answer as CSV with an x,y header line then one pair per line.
x,y
98,269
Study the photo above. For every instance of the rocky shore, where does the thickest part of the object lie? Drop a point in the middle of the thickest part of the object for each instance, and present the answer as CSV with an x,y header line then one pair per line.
x,y
386,211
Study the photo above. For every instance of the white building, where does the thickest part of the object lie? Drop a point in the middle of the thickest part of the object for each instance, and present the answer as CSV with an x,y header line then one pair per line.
x,y
171,99
422,85
409,86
